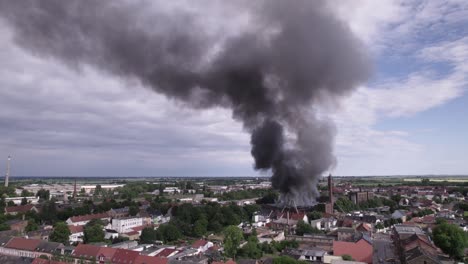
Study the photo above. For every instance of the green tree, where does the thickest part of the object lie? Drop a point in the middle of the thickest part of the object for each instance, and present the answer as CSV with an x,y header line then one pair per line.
x,y
168,233
26,193
32,225
49,211
314,215
451,239
61,233
286,260
93,231
43,194
148,235
379,225
24,201
347,257
133,210
252,249
232,239
201,227
98,190
304,228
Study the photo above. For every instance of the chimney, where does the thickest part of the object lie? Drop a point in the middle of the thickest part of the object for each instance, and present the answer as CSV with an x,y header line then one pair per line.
x,y
7,175
330,188
74,190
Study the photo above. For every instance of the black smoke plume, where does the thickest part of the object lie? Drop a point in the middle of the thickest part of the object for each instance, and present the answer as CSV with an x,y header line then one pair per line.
x,y
273,71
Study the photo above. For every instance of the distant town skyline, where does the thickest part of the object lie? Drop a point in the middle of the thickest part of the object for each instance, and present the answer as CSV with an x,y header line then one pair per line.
x,y
409,119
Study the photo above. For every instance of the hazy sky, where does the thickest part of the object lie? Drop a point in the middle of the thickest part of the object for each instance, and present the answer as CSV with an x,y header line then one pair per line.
x,y
410,118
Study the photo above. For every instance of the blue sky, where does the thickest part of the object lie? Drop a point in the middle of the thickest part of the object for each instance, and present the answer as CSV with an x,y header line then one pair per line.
x,y
410,118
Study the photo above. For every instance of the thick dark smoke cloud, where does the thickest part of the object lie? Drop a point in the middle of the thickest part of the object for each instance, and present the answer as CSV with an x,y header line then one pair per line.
x,y
292,56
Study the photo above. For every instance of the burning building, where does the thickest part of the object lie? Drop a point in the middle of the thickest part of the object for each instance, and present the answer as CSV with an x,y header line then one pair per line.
x,y
274,69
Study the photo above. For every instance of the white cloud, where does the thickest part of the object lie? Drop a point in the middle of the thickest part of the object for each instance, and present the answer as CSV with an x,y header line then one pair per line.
x,y
358,141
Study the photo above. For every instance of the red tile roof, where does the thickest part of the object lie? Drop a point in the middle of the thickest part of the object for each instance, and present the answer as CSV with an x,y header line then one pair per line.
x,y
46,261
364,227
132,233
124,256
150,260
89,217
296,216
75,229
360,251
23,243
138,228
166,252
199,243
19,208
107,252
227,262
86,251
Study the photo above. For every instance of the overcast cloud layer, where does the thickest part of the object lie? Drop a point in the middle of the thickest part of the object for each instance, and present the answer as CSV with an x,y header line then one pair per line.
x,y
60,122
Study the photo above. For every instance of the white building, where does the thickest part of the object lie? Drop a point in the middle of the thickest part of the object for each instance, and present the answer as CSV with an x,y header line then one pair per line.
x,y
17,200
171,190
123,225
76,233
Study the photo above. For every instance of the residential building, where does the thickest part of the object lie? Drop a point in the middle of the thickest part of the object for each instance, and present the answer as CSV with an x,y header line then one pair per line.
x,y
123,225
362,250
202,245
31,248
84,219
20,209
76,233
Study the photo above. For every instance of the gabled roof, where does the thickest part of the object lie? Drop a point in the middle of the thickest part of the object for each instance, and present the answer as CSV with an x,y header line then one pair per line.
x,y
88,217
19,208
199,243
86,251
23,243
360,251
107,252
364,227
124,256
48,247
166,252
76,229
417,252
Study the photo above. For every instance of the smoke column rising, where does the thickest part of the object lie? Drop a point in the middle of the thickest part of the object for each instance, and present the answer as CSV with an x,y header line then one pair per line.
x,y
290,57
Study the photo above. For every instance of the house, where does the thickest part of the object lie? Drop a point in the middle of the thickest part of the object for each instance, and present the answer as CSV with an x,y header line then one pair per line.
x,y
417,255
167,252
17,225
364,228
325,224
31,248
110,234
119,212
399,214
42,234
131,235
270,237
84,219
346,234
309,254
87,252
124,256
124,225
105,254
20,209
76,233
202,245
362,250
